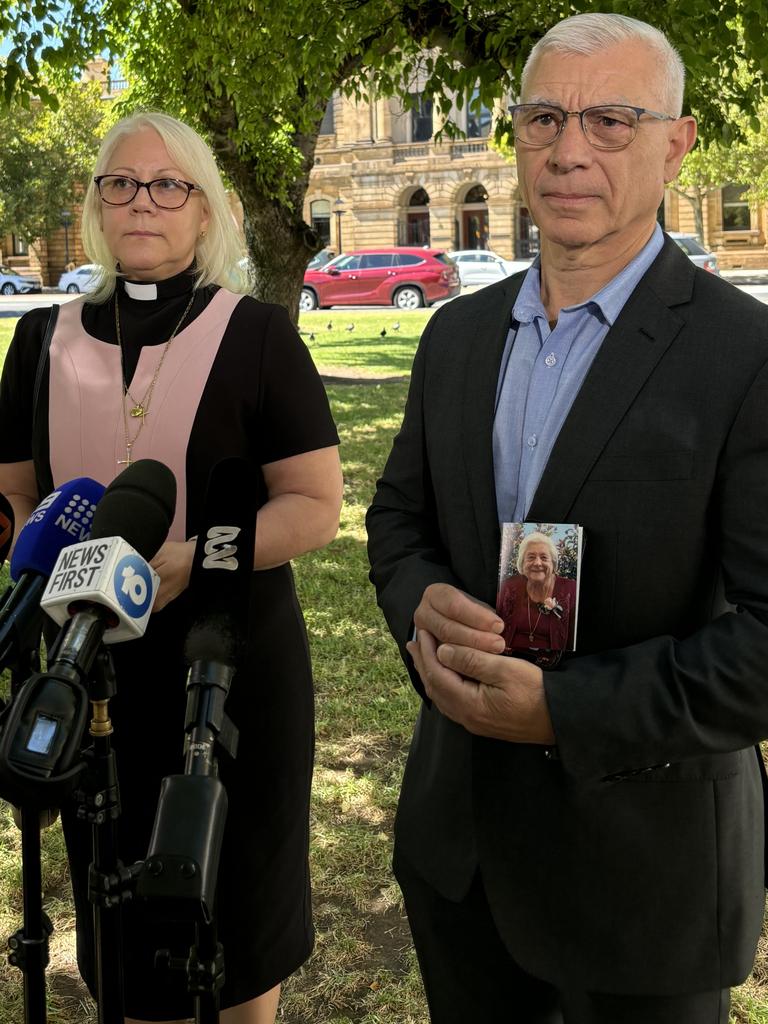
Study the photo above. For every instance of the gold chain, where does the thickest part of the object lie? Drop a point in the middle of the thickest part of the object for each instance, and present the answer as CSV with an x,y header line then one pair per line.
x,y
140,409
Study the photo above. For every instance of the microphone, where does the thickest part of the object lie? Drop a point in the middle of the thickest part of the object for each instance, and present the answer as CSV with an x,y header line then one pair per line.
x,y
183,858
39,746
64,516
7,526
109,572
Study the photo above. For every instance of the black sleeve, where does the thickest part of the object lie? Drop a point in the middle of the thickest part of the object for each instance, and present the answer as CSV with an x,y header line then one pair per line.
x,y
17,385
294,413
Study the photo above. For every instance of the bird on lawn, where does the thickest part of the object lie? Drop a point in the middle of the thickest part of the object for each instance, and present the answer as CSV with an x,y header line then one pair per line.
x,y
311,337
349,327
383,332
396,327
329,325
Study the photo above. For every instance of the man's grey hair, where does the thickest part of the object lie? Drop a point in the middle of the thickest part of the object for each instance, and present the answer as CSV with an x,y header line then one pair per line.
x,y
590,33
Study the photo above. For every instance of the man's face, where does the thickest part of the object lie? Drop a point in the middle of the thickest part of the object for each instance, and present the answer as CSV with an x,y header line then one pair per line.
x,y
580,196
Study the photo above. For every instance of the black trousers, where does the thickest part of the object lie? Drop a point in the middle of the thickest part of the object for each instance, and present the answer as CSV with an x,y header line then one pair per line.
x,y
470,977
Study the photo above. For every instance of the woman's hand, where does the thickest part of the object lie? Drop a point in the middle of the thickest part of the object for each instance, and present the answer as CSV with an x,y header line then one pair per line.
x,y
173,564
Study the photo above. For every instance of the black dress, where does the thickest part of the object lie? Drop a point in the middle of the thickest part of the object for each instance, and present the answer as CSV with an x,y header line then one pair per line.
x,y
263,401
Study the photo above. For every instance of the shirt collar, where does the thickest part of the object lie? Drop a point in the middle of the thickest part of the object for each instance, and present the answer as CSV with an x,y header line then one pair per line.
x,y
609,301
147,291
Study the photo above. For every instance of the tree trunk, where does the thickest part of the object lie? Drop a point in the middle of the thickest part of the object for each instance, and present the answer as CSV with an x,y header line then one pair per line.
x,y
695,197
280,243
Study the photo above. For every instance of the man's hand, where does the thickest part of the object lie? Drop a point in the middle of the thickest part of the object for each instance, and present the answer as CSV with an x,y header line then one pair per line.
x,y
173,564
490,695
453,617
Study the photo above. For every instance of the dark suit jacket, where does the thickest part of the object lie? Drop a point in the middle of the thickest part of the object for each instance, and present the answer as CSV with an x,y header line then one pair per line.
x,y
634,861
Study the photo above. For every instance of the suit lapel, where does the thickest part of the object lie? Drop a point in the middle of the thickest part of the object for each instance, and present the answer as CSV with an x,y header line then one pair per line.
x,y
485,339
632,348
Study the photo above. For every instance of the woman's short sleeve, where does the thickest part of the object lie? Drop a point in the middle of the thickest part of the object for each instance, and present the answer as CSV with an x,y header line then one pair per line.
x,y
293,407
17,386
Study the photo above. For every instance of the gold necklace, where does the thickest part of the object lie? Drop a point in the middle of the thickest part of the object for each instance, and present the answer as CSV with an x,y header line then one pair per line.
x,y
140,409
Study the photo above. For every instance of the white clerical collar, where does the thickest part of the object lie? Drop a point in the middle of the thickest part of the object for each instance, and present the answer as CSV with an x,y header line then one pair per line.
x,y
145,291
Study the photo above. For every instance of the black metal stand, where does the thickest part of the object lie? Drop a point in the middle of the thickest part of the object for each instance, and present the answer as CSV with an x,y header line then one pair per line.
x,y
182,864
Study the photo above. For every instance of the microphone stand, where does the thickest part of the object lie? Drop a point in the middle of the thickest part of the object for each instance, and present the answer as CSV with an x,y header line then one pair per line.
x,y
182,864
110,884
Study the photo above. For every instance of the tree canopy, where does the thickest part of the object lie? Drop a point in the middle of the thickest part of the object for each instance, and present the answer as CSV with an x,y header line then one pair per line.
x,y
46,158
257,77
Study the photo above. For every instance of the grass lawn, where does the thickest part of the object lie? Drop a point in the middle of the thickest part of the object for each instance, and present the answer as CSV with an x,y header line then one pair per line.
x,y
363,970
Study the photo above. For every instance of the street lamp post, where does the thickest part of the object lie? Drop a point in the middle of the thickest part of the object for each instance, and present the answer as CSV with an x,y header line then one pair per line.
x,y
338,209
66,220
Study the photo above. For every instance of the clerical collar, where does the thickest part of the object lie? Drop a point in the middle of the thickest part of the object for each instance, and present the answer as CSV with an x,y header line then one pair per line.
x,y
148,291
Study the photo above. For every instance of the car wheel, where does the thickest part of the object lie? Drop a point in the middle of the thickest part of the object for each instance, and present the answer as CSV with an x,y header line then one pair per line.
x,y
8,289
307,301
73,289
408,298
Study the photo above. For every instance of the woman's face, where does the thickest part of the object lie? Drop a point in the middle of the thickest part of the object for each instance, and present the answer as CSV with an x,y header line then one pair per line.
x,y
150,243
537,562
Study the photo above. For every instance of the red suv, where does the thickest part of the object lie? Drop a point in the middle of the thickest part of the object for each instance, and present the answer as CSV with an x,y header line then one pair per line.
x,y
399,276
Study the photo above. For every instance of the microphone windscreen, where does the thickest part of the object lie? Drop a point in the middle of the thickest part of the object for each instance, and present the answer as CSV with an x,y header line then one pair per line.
x,y
7,524
65,517
223,563
138,506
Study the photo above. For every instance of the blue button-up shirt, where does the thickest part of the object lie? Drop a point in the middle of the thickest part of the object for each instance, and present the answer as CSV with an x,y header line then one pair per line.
x,y
541,373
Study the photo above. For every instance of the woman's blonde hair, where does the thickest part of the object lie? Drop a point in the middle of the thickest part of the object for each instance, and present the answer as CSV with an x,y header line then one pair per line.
x,y
536,538
218,253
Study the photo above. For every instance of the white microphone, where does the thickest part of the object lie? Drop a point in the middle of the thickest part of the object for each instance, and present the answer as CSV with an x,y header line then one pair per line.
x,y
110,574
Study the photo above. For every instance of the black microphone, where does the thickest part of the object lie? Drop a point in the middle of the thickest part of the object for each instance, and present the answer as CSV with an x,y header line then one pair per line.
x,y
183,858
40,742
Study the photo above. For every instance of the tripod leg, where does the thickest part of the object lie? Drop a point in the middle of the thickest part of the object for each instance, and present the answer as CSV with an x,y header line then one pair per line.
x,y
29,947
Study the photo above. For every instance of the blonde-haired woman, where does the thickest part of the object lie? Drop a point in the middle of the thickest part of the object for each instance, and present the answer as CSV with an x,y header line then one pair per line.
x,y
165,360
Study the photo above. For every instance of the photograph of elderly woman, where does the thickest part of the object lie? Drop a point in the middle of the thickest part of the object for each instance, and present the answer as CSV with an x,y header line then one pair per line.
x,y
538,588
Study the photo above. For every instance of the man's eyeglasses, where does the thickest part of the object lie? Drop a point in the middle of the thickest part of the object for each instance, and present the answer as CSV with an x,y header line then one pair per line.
x,y
605,127
167,193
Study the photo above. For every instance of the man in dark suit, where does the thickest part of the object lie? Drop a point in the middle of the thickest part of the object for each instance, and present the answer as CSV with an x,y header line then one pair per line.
x,y
586,844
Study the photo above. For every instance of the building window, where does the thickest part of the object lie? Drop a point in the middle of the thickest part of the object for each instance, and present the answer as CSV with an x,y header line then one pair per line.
x,y
421,117
735,208
327,126
478,118
20,246
320,215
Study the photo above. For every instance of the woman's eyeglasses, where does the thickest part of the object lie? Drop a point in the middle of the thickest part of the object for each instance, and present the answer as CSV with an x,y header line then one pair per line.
x,y
167,193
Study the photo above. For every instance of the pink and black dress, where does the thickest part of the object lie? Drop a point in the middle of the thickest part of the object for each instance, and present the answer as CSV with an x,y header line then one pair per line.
x,y
237,381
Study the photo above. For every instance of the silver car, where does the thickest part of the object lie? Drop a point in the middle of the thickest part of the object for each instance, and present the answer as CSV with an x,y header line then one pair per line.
x,y
481,266
81,279
695,251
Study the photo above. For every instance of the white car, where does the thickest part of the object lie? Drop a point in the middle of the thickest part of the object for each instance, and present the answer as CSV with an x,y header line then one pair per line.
x,y
12,283
81,279
481,266
695,251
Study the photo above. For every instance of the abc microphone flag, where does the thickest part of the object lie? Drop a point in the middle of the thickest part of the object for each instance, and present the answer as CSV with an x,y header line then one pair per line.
x,y
223,563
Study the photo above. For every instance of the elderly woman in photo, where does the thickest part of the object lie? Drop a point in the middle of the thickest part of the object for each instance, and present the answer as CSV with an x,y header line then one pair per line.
x,y
537,605
169,359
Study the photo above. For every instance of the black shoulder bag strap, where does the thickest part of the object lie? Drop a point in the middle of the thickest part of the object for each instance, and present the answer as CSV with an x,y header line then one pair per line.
x,y
41,365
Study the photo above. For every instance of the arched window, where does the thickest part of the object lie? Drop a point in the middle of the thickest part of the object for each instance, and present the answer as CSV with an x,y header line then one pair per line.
x,y
414,226
474,219
320,215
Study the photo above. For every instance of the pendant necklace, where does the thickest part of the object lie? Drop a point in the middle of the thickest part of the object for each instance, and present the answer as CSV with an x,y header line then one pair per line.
x,y
532,628
140,410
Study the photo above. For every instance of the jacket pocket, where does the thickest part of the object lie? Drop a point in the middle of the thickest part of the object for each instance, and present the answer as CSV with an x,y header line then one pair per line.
x,y
670,465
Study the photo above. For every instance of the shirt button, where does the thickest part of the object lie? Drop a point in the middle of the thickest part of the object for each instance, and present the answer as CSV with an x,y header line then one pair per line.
x,y
551,359
532,441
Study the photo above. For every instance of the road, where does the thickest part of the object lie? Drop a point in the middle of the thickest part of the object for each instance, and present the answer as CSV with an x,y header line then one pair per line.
x,y
15,305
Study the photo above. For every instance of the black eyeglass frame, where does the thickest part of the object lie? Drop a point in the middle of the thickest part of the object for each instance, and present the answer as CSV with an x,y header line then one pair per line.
x,y
638,111
189,185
